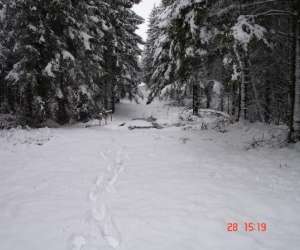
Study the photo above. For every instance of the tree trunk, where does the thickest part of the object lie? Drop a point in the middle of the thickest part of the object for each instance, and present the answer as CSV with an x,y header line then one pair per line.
x,y
292,56
207,92
243,64
105,95
244,84
234,100
256,96
267,112
195,97
297,84
239,103
112,99
222,97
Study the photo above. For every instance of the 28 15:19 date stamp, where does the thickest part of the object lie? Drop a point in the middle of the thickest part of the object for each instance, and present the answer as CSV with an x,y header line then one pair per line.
x,y
247,227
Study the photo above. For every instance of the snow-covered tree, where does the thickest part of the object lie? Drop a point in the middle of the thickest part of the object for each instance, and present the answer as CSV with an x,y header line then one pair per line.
x,y
296,117
180,49
66,59
243,45
126,50
152,36
3,59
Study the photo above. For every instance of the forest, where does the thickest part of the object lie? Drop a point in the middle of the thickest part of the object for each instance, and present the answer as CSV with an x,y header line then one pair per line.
x,y
149,125
247,50
66,61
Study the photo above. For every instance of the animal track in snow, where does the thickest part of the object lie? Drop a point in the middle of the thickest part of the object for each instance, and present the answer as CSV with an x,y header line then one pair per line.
x,y
101,220
99,215
107,227
77,242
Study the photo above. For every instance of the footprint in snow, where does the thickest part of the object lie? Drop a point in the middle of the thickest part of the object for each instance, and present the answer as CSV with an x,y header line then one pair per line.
x,y
77,242
113,242
104,156
97,189
184,140
106,225
100,219
99,214
110,232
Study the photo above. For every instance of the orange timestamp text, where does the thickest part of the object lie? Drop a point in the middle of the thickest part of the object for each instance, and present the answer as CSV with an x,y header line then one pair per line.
x,y
247,227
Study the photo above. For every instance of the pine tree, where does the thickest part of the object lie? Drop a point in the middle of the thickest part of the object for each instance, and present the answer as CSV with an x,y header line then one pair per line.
x,y
67,60
296,125
246,46
3,60
94,28
180,50
23,42
152,36
126,50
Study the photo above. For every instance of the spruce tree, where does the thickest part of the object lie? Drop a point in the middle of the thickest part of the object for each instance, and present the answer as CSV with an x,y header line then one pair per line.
x,y
152,36
66,60
126,50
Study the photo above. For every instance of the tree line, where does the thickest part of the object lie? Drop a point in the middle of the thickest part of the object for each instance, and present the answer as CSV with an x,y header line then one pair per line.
x,y
66,60
250,48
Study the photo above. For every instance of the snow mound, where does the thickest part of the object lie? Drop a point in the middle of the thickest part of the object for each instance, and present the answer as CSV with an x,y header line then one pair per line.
x,y
7,121
139,123
262,135
206,119
19,136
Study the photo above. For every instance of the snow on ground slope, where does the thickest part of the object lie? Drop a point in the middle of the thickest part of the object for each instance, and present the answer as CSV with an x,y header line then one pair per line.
x,y
152,189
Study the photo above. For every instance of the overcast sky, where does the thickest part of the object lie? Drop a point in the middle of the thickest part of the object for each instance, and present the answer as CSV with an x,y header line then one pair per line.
x,y
144,9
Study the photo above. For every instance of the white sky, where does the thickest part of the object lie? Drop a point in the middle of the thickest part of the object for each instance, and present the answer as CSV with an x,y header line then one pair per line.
x,y
143,9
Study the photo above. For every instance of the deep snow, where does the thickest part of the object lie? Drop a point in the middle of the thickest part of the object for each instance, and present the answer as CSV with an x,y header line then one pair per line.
x,y
155,189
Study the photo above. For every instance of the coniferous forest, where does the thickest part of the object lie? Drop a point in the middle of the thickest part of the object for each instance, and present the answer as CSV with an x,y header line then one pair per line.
x,y
249,50
66,60
149,124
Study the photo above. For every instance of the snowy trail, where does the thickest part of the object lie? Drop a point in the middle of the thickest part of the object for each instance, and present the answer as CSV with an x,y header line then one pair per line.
x,y
101,221
112,188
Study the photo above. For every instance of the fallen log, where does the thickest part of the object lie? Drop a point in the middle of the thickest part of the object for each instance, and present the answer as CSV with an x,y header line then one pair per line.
x,y
148,119
154,125
139,127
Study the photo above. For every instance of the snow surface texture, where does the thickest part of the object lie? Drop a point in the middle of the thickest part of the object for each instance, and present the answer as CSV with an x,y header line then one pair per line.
x,y
88,188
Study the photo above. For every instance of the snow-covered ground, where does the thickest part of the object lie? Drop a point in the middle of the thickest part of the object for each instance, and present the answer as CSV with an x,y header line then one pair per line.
x,y
175,188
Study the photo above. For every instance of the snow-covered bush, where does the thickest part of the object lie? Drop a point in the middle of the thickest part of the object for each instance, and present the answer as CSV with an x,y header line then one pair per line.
x,y
266,136
206,119
19,136
7,121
